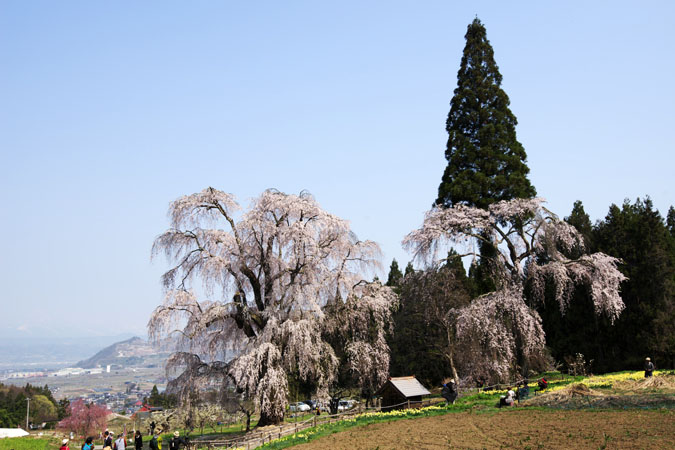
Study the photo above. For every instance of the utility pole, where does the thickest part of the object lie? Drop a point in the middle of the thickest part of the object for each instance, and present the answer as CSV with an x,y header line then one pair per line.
x,y
27,411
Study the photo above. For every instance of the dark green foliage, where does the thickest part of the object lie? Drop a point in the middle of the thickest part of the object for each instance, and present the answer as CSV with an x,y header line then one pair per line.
x,y
299,389
670,221
395,275
409,269
420,342
638,235
164,400
482,270
13,403
582,222
154,399
486,163
576,330
62,407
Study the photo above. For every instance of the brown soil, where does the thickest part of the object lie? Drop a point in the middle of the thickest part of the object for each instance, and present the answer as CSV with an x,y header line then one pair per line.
x,y
514,428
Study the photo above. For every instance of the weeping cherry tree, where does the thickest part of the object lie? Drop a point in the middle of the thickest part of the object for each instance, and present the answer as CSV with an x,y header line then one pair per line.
x,y
499,331
266,276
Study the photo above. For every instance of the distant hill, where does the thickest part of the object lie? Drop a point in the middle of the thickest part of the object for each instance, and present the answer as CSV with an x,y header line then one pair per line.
x,y
37,353
132,352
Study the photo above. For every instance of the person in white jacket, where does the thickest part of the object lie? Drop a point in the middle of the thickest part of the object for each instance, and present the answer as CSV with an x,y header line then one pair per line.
x,y
120,443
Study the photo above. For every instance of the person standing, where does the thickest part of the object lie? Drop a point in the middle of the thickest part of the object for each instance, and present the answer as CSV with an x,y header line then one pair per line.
x,y
120,443
449,392
138,440
175,442
88,444
156,441
64,445
107,439
453,391
649,367
445,393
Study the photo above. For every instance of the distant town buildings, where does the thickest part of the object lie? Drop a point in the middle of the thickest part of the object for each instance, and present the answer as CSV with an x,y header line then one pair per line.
x,y
68,371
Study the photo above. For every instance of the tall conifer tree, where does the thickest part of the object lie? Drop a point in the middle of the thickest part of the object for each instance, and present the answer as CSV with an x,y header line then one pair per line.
x,y
486,163
395,275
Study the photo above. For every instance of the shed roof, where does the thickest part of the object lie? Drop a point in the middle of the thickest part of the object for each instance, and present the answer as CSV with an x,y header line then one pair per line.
x,y
409,386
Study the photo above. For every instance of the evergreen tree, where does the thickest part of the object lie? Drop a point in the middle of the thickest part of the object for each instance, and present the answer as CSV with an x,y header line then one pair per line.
x,y
420,342
638,235
395,275
62,408
486,163
582,222
409,269
155,398
670,221
481,271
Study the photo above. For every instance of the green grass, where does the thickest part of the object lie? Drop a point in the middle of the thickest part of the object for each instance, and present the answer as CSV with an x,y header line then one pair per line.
x,y
29,443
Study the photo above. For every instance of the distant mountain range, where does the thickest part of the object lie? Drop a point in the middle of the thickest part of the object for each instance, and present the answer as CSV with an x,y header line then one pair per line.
x,y
49,352
132,352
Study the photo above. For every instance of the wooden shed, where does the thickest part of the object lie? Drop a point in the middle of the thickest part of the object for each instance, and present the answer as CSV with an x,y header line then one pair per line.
x,y
401,393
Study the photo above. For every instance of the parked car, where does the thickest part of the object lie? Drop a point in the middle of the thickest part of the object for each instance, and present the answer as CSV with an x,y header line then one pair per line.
x,y
299,407
344,405
310,403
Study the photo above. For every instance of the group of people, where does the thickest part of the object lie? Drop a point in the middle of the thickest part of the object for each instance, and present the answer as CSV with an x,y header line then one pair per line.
x,y
524,390
110,443
175,443
521,393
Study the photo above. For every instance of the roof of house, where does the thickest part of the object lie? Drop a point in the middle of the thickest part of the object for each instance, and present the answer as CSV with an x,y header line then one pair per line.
x,y
408,386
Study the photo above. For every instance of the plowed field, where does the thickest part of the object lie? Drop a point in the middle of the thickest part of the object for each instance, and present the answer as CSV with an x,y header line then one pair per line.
x,y
518,428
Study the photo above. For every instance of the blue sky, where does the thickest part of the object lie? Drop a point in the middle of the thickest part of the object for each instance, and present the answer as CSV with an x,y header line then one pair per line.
x,y
110,110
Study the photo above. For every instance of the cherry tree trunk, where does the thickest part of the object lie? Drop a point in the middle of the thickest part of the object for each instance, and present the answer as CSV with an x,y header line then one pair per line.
x,y
268,419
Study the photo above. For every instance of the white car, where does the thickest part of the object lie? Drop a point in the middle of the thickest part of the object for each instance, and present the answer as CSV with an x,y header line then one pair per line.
x,y
299,407
344,405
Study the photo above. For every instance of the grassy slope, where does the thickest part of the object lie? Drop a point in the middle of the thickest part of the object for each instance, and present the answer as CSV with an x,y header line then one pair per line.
x,y
481,403
29,443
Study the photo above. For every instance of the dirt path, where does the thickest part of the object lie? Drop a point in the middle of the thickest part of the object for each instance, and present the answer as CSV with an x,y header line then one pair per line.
x,y
520,428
